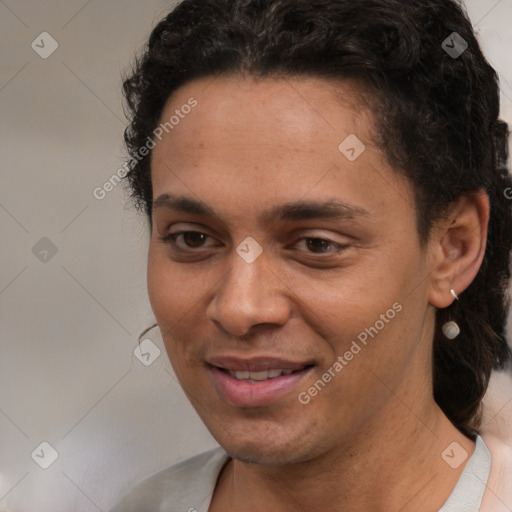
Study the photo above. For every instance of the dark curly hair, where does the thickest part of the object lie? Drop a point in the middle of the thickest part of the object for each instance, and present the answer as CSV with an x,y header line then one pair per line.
x,y
437,122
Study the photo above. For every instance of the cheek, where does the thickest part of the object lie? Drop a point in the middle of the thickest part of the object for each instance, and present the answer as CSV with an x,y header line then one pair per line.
x,y
177,298
342,304
160,287
172,293
370,304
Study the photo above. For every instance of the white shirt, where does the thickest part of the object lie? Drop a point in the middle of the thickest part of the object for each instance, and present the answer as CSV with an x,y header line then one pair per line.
x,y
189,485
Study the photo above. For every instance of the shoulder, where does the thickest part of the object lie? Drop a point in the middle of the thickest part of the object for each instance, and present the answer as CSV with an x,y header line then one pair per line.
x,y
498,495
496,431
185,486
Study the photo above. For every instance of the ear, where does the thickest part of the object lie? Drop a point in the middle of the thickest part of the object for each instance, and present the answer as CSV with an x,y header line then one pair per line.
x,y
456,248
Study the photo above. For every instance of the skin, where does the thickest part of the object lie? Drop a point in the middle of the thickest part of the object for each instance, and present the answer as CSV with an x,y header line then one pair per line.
x,y
248,146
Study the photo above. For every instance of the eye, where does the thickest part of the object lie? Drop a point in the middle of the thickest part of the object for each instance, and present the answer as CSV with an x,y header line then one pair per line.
x,y
191,239
318,245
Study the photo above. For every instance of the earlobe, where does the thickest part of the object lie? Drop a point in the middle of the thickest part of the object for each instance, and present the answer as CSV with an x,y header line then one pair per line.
x,y
457,248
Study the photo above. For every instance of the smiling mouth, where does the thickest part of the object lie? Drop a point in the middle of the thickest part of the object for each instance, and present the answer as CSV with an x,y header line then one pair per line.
x,y
256,382
264,375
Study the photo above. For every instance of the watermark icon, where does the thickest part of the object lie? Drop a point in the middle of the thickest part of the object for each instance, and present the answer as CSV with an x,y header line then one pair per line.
x,y
44,45
45,455
44,250
454,455
454,45
352,147
180,113
249,249
304,397
508,193
147,352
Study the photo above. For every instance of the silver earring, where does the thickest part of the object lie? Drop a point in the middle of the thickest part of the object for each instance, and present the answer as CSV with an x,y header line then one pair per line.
x,y
451,329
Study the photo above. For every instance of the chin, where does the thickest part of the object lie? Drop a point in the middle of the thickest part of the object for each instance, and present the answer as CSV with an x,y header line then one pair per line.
x,y
266,448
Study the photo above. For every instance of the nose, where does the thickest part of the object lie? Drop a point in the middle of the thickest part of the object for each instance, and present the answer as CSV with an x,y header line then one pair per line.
x,y
249,294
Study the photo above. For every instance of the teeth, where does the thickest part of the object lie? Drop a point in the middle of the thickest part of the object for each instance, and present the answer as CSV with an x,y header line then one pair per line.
x,y
259,376
263,375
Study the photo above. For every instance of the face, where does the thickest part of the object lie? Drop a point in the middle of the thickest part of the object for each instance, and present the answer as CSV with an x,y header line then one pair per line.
x,y
284,270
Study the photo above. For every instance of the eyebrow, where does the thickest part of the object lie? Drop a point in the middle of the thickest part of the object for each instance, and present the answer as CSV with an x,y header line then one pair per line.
x,y
292,211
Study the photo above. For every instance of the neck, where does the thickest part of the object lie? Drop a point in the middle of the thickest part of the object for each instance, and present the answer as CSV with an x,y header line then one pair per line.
x,y
398,467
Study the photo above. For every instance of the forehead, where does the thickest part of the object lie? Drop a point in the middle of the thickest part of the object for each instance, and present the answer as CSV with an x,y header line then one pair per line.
x,y
263,119
273,139
304,103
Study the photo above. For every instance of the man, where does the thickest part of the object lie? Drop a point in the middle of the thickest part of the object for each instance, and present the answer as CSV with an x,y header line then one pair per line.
x,y
322,187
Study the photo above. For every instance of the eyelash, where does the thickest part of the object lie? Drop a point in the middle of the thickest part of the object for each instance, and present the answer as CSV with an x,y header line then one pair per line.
x,y
170,239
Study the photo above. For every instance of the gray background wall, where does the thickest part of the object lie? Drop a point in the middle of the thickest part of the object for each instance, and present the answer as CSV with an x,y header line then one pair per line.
x,y
70,320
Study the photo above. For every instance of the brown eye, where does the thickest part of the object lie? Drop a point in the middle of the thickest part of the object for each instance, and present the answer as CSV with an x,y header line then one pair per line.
x,y
191,239
317,244
321,245
194,238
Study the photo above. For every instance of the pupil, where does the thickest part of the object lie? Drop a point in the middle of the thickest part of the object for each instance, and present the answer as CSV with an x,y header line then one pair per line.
x,y
190,236
317,243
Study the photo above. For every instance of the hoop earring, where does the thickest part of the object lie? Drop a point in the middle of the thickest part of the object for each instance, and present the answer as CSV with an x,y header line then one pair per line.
x,y
146,330
451,328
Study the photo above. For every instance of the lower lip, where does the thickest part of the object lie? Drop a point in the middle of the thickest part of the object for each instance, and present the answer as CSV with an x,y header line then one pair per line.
x,y
247,394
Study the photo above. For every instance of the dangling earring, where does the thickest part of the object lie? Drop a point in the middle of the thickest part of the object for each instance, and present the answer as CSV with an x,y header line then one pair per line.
x,y
147,330
451,328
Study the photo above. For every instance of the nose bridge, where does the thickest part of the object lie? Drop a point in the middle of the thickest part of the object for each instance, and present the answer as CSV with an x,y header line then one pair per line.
x,y
246,282
247,295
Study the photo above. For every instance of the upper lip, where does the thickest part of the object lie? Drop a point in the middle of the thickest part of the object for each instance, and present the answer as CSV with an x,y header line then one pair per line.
x,y
255,364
